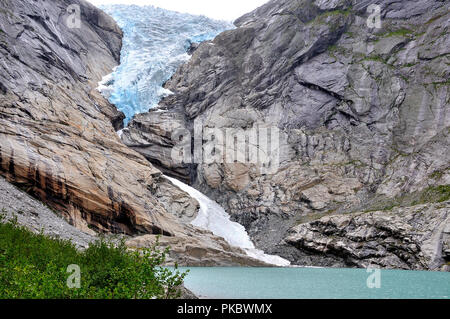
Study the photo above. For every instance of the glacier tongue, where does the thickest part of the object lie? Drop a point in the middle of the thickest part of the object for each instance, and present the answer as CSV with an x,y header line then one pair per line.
x,y
155,43
214,218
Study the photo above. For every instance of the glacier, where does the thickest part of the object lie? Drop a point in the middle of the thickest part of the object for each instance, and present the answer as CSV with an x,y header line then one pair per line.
x,y
155,44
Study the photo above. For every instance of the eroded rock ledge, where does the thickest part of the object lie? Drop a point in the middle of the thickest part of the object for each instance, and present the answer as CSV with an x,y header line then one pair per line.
x,y
414,238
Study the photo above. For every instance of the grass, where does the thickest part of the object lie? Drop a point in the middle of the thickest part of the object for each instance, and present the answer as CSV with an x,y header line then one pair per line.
x,y
432,194
401,33
376,58
437,175
439,193
447,82
337,12
435,18
322,17
335,49
409,65
350,34
34,266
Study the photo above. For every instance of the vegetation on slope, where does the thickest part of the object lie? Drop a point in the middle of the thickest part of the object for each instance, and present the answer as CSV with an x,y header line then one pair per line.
x,y
36,266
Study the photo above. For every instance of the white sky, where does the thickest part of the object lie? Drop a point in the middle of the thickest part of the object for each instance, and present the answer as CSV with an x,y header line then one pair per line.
x,y
217,9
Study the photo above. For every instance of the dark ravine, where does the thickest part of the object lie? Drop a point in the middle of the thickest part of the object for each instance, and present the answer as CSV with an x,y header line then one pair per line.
x,y
364,120
58,136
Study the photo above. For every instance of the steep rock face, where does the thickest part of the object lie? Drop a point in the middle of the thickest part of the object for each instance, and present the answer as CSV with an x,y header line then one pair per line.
x,y
363,112
55,138
153,139
58,136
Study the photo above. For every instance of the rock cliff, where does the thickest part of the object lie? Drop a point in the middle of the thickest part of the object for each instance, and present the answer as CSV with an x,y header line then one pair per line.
x,y
415,238
363,114
58,136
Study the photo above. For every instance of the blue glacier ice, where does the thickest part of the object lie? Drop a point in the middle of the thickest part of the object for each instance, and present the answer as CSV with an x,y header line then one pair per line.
x,y
154,46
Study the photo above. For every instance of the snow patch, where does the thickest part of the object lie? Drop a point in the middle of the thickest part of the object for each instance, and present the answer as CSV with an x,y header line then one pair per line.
x,y
214,218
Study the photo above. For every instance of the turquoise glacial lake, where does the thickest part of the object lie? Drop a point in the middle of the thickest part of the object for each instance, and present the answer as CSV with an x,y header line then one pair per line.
x,y
315,283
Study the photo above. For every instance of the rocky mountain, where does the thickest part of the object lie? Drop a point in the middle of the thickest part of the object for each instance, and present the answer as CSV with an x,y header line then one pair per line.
x,y
363,115
58,138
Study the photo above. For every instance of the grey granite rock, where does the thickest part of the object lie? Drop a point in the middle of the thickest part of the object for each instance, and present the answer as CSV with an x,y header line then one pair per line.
x,y
414,238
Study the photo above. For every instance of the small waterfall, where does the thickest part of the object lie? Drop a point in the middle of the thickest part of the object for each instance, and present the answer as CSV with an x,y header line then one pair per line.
x,y
214,218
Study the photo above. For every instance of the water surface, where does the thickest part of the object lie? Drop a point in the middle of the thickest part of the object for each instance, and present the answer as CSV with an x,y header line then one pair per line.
x,y
314,283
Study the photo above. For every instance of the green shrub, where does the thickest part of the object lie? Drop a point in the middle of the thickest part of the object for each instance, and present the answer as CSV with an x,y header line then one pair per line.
x,y
35,266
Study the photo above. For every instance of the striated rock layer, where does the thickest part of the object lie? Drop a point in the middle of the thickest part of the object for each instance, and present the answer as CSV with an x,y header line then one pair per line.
x,y
58,136
415,238
363,115
31,213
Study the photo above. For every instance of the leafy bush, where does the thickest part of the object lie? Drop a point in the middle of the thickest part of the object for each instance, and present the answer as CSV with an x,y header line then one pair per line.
x,y
35,266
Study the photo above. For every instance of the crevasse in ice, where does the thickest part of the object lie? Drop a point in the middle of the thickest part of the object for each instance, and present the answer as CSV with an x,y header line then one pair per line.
x,y
155,43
